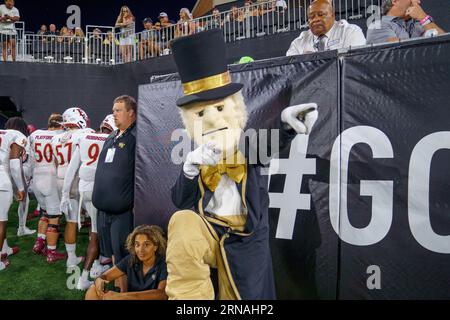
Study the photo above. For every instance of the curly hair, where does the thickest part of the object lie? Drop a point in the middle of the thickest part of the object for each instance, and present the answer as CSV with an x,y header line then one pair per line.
x,y
17,123
154,233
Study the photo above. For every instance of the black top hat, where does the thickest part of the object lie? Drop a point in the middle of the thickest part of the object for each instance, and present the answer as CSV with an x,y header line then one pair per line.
x,y
202,65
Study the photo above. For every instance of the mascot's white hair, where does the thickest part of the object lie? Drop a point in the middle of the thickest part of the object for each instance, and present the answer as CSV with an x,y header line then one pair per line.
x,y
240,110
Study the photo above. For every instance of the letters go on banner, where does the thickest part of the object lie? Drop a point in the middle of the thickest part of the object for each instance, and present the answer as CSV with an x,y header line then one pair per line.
x,y
359,209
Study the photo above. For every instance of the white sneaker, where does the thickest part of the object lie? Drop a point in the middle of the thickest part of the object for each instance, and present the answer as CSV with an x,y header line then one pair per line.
x,y
93,271
84,284
24,231
74,262
98,270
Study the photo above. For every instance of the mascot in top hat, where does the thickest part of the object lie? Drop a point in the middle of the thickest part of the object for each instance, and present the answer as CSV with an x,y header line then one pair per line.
x,y
223,198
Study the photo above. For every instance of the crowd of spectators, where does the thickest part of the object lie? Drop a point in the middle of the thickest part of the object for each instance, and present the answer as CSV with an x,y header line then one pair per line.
x,y
51,43
123,42
401,20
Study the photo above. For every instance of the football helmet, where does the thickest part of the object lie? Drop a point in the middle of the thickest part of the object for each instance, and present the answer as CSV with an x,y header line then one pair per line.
x,y
75,117
109,123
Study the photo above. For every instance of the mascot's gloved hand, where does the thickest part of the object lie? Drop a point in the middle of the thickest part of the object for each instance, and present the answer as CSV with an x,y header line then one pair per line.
x,y
301,117
206,154
65,204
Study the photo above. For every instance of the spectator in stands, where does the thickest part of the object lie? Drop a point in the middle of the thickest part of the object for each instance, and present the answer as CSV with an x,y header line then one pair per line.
x,y
215,21
278,10
164,19
108,46
64,35
402,19
52,30
79,35
9,15
110,39
145,268
233,15
235,21
147,43
325,33
266,7
167,32
250,11
125,21
281,5
159,45
95,46
185,25
52,36
42,30
76,50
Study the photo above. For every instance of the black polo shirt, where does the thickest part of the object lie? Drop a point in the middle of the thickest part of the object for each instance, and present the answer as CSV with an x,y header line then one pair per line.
x,y
136,279
114,180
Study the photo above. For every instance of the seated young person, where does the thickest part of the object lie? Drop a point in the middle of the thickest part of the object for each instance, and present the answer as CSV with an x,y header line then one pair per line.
x,y
145,268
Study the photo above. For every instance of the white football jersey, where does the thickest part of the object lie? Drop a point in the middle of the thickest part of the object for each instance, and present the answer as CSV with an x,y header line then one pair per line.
x,y
41,150
90,145
7,138
63,146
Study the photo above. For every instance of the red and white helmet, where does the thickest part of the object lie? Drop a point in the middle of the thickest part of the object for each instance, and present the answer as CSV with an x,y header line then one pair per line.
x,y
75,117
109,123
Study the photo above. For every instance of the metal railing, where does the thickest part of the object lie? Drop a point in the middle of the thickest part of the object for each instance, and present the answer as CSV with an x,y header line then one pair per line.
x,y
102,46
250,21
60,49
108,45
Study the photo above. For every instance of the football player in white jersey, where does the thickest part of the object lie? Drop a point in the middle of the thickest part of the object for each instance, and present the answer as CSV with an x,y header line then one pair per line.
x,y
45,188
84,161
76,122
12,148
22,211
19,124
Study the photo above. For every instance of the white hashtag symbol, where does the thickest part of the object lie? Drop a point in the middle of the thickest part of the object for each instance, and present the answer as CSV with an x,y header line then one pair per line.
x,y
291,200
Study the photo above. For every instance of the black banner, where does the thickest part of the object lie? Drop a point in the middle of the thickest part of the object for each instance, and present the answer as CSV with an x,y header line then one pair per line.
x,y
359,209
396,132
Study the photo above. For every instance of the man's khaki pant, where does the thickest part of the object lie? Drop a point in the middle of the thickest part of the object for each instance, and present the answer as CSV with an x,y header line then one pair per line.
x,y
192,249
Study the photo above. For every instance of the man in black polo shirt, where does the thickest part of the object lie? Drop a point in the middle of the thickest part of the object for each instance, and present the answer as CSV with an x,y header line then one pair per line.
x,y
113,193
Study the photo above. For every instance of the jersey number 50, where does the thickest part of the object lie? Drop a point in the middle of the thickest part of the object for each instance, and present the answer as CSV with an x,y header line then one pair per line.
x,y
46,153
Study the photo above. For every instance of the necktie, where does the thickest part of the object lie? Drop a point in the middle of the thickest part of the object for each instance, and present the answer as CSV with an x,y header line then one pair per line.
x,y
320,44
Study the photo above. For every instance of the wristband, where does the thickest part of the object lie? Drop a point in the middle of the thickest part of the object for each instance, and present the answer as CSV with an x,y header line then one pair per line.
x,y
424,20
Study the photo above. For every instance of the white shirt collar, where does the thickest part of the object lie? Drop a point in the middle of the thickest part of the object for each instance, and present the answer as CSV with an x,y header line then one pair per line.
x,y
327,35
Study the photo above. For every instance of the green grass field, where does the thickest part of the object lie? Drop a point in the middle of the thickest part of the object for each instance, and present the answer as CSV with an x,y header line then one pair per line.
x,y
30,277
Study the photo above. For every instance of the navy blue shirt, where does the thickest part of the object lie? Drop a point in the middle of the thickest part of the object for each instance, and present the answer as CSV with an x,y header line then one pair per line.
x,y
114,180
136,279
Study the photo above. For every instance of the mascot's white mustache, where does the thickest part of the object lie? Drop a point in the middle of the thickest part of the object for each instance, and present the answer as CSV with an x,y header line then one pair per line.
x,y
213,131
